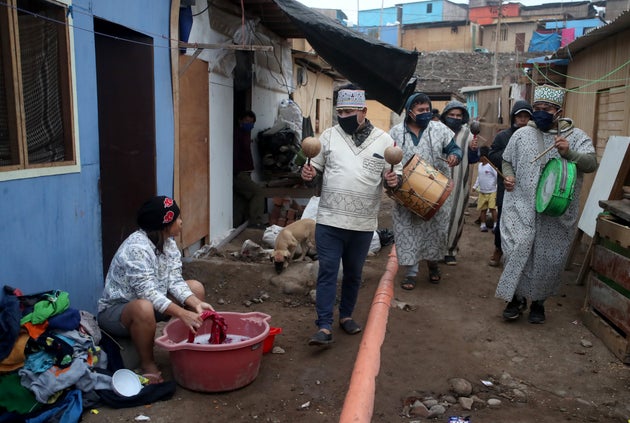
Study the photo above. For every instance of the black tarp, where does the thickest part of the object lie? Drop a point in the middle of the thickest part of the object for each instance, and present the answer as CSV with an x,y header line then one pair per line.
x,y
382,70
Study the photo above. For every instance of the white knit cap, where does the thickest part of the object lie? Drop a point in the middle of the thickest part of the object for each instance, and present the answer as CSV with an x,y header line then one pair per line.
x,y
351,99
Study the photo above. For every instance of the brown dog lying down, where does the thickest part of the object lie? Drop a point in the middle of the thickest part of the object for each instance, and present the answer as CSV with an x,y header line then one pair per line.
x,y
299,234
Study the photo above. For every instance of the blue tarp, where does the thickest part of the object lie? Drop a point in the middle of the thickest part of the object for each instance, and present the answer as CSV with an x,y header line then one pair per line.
x,y
546,60
544,42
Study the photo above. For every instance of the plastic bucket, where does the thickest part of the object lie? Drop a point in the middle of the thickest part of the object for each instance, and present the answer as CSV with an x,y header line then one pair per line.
x,y
270,339
216,367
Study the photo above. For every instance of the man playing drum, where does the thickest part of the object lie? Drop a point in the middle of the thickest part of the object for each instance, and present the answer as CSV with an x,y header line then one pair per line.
x,y
536,244
432,141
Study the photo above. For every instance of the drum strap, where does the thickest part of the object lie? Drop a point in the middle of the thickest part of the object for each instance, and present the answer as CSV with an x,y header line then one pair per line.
x,y
541,148
428,129
565,175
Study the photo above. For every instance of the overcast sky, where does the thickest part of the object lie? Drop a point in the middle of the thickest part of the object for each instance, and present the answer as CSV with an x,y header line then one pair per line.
x,y
350,7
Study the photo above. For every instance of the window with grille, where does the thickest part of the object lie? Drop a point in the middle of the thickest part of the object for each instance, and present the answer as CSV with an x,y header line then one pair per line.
x,y
36,111
503,34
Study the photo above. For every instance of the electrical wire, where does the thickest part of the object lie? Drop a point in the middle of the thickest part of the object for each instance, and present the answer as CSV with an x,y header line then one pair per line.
x,y
577,89
602,78
201,13
588,80
91,31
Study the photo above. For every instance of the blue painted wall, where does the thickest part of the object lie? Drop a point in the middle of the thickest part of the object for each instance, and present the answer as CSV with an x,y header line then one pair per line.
x,y
411,13
50,236
417,12
374,17
389,34
370,20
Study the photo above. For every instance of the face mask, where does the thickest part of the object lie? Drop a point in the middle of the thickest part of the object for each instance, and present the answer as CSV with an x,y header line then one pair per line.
x,y
349,124
247,126
423,119
453,123
543,120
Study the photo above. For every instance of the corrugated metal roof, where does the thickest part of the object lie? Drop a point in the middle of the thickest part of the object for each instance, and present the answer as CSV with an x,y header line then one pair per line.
x,y
465,90
595,36
271,16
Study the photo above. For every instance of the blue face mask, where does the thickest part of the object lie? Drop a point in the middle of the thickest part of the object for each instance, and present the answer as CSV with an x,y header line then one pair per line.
x,y
423,119
247,126
453,123
543,120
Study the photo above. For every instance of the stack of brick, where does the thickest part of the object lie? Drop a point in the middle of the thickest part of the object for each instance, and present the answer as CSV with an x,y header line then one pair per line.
x,y
285,211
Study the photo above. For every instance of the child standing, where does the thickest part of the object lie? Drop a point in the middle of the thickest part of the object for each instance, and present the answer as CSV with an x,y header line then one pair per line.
x,y
486,184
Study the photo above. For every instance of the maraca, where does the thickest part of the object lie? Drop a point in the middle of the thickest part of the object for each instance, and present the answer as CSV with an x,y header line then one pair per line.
x,y
311,147
393,155
475,127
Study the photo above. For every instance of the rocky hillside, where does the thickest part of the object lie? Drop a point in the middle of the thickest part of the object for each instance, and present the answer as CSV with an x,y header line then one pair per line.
x,y
446,72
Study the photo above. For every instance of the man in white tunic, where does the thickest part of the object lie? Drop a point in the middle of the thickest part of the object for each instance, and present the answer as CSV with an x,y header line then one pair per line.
x,y
351,167
432,141
536,244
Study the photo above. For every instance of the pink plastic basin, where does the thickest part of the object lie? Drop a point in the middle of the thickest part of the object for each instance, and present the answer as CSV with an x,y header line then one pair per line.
x,y
217,367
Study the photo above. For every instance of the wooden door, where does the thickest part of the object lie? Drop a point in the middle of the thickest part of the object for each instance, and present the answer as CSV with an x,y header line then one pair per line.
x,y
126,126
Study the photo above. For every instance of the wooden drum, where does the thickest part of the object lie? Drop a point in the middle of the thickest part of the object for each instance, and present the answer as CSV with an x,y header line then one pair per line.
x,y
424,189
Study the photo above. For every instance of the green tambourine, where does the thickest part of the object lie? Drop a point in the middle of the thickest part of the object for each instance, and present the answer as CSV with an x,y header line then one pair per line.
x,y
555,187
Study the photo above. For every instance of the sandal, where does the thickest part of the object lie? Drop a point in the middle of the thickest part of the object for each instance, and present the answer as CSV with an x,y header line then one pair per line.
x,y
408,283
153,378
434,272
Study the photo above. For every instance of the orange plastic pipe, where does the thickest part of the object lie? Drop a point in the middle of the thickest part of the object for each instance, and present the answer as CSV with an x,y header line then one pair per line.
x,y
359,403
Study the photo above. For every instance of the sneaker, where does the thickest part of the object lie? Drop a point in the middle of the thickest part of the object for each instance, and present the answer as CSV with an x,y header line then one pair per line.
x,y
321,338
514,308
483,228
536,313
450,260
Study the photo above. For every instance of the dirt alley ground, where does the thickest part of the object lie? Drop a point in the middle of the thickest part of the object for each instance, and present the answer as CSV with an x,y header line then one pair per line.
x,y
453,329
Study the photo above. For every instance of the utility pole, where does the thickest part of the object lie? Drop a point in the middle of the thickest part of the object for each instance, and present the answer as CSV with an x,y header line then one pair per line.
x,y
496,44
380,20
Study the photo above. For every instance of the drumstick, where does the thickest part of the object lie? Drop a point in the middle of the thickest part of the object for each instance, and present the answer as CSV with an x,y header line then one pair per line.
x,y
489,162
544,152
553,145
495,168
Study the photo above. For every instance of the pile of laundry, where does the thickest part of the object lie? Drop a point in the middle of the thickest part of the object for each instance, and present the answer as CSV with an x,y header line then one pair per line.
x,y
54,361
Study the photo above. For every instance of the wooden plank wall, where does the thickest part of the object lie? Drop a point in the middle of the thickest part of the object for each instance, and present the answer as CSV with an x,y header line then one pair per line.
x,y
194,159
589,80
593,94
